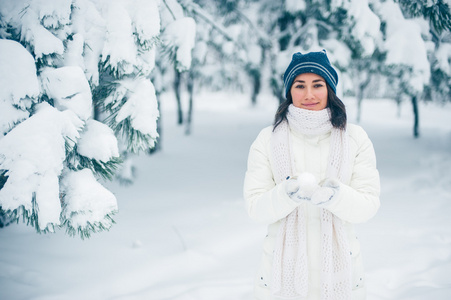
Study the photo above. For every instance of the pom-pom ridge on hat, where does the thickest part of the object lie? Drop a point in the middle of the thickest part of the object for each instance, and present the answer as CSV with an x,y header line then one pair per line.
x,y
312,62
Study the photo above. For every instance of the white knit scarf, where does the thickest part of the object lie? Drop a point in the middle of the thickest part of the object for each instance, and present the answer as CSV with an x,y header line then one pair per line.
x,y
290,261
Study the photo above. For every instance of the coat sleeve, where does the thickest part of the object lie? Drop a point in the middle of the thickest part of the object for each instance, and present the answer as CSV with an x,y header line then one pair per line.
x,y
359,201
266,202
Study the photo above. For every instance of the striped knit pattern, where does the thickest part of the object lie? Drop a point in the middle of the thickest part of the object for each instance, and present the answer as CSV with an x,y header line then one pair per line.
x,y
312,62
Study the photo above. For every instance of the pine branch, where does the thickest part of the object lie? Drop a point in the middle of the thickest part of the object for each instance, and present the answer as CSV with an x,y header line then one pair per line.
x,y
197,10
30,217
136,140
89,228
3,178
106,170
438,14
263,38
111,101
5,219
169,9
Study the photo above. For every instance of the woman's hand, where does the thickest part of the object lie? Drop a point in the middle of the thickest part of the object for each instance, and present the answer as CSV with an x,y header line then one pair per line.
x,y
305,187
302,187
326,193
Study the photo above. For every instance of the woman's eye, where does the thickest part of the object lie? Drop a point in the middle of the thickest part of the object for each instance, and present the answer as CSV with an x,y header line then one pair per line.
x,y
318,85
299,86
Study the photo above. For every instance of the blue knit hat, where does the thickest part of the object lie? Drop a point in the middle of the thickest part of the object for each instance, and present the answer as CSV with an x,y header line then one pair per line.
x,y
312,62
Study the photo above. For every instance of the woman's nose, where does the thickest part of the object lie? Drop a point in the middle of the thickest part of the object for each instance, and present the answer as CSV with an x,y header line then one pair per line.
x,y
308,93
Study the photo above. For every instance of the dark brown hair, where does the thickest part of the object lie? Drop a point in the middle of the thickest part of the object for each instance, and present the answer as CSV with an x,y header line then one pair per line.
x,y
337,109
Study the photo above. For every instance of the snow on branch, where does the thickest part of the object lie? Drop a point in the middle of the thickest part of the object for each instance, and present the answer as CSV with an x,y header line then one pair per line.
x,y
196,9
32,155
119,51
51,153
405,46
134,112
87,205
18,89
180,35
69,89
42,41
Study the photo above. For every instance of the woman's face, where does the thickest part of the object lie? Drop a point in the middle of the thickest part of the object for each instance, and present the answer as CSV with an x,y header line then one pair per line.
x,y
309,91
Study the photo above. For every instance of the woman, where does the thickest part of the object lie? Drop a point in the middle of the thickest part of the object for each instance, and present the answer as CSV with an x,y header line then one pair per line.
x,y
311,177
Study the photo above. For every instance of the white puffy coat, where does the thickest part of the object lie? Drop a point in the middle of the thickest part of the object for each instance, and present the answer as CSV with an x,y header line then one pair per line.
x,y
266,202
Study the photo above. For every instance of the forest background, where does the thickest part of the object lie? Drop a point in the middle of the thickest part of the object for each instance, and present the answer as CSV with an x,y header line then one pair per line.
x,y
96,69
83,82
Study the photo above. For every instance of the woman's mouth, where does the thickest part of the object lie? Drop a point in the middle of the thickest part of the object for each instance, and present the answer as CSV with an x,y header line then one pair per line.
x,y
310,104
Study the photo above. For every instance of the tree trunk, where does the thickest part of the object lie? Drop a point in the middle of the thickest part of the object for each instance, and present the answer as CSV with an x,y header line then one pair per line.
x,y
256,81
177,86
360,92
96,113
398,105
159,129
416,118
275,82
190,87
359,103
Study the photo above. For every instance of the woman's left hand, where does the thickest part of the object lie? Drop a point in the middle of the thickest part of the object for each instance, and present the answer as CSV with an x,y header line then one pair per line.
x,y
326,193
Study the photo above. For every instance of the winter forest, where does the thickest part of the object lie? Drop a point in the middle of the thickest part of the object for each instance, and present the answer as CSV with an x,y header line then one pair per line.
x,y
126,124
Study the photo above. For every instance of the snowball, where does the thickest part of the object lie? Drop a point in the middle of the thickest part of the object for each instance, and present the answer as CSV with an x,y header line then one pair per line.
x,y
307,183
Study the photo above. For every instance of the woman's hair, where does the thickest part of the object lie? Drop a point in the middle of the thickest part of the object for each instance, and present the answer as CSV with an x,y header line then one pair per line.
x,y
336,106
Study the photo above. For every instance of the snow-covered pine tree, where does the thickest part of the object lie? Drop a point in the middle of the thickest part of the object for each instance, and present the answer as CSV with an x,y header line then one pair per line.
x,y
439,88
438,15
303,26
218,54
17,95
54,149
218,58
126,55
178,39
407,65
437,12
360,32
237,45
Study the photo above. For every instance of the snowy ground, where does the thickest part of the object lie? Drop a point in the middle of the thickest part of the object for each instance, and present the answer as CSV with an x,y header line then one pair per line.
x,y
182,232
